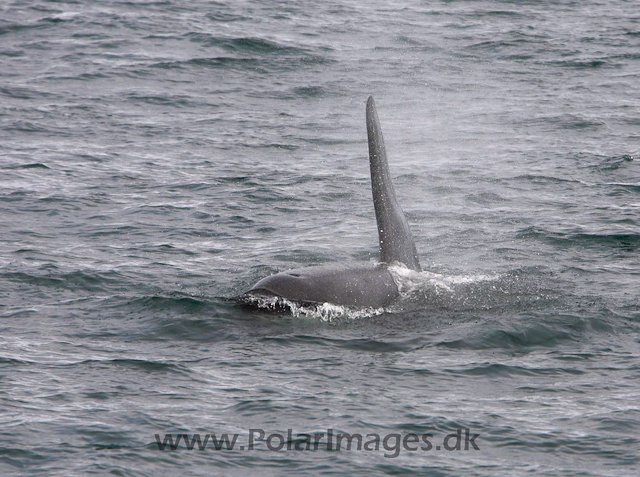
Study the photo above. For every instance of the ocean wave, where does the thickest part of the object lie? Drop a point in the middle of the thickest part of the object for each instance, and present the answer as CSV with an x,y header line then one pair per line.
x,y
618,240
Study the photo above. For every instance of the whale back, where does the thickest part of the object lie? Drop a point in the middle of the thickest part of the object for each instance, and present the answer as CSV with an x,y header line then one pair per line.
x,y
351,285
396,241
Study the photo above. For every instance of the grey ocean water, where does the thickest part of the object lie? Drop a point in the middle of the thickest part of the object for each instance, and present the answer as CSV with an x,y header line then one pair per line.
x,y
159,157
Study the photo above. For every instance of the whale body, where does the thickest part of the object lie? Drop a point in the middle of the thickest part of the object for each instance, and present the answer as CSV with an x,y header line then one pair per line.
x,y
360,284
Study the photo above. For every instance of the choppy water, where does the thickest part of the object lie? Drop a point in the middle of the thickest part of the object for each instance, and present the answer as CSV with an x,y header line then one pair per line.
x,y
159,157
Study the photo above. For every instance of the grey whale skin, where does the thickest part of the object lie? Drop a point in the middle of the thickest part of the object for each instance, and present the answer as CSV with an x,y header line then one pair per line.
x,y
364,284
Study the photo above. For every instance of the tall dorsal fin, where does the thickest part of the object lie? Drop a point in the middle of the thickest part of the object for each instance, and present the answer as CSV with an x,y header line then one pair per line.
x,y
396,241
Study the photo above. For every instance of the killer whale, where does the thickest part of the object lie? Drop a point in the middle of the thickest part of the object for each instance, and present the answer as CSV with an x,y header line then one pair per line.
x,y
360,285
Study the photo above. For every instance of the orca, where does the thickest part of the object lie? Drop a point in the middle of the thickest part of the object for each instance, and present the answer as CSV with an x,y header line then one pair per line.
x,y
357,285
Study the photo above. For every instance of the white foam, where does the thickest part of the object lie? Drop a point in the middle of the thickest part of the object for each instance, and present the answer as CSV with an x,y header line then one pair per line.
x,y
408,281
327,312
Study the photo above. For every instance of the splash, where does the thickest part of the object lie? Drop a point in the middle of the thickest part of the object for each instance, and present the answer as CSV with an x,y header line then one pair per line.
x,y
429,289
327,312
408,280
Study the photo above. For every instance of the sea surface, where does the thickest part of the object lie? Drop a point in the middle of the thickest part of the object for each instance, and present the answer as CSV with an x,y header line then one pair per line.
x,y
157,158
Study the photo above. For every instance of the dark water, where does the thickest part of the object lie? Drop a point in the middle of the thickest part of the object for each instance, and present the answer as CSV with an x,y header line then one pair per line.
x,y
159,157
